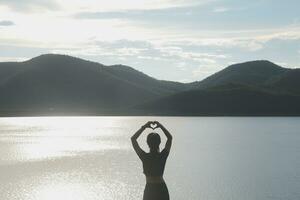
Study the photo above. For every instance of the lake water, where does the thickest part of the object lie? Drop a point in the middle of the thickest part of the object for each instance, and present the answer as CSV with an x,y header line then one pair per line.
x,y
91,158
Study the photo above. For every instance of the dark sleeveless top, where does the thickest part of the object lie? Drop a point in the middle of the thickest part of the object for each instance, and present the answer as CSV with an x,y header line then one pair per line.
x,y
154,163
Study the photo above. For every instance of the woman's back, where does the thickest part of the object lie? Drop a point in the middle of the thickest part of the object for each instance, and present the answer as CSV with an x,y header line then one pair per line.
x,y
154,163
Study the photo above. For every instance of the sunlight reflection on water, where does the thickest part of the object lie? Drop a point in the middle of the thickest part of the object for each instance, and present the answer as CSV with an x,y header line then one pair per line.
x,y
91,158
49,137
76,158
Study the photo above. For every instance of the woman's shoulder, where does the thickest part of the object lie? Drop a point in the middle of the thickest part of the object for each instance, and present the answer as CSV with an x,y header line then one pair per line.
x,y
164,153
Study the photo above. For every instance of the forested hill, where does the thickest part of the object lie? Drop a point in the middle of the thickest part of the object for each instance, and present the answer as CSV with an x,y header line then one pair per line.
x,y
63,85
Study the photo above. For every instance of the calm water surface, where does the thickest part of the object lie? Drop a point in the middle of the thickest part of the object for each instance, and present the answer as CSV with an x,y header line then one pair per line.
x,y
91,158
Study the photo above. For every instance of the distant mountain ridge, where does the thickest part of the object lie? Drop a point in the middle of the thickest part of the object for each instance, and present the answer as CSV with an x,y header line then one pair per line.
x,y
54,84
257,73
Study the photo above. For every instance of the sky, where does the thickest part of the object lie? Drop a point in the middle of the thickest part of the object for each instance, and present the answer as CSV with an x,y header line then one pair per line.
x,y
178,40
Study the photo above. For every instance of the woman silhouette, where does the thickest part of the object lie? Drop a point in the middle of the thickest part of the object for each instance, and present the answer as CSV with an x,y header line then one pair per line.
x,y
154,161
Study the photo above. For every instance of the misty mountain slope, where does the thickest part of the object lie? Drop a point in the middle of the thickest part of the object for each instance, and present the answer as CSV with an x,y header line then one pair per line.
x,y
288,82
9,70
64,82
152,84
249,73
237,101
121,72
251,88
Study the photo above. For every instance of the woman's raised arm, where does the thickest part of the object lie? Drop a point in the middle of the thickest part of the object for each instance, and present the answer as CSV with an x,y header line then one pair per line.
x,y
139,151
167,134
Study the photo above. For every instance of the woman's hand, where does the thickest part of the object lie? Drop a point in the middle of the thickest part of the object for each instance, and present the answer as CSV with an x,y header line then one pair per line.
x,y
158,125
147,125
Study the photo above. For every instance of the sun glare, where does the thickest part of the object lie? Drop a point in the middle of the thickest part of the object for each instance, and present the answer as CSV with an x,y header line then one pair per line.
x,y
53,137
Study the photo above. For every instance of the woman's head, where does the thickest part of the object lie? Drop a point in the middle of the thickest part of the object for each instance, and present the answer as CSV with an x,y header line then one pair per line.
x,y
153,141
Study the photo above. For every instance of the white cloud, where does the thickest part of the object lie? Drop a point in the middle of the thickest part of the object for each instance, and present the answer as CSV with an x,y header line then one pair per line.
x,y
285,64
248,44
204,71
182,66
152,58
96,5
249,40
117,5
12,59
236,7
130,51
117,49
221,9
176,51
29,5
284,33
6,23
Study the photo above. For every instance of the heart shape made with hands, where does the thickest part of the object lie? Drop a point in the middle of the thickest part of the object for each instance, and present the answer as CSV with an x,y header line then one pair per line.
x,y
153,125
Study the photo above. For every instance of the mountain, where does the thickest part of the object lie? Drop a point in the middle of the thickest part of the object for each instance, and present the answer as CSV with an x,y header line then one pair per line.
x,y
230,101
63,85
288,82
255,73
262,75
255,88
59,83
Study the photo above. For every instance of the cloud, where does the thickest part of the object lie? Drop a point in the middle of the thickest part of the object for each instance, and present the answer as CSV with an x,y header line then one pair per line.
x,y
118,48
204,71
147,50
30,5
153,10
131,5
6,23
124,43
147,15
184,55
247,40
109,15
145,54
221,9
13,59
231,7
